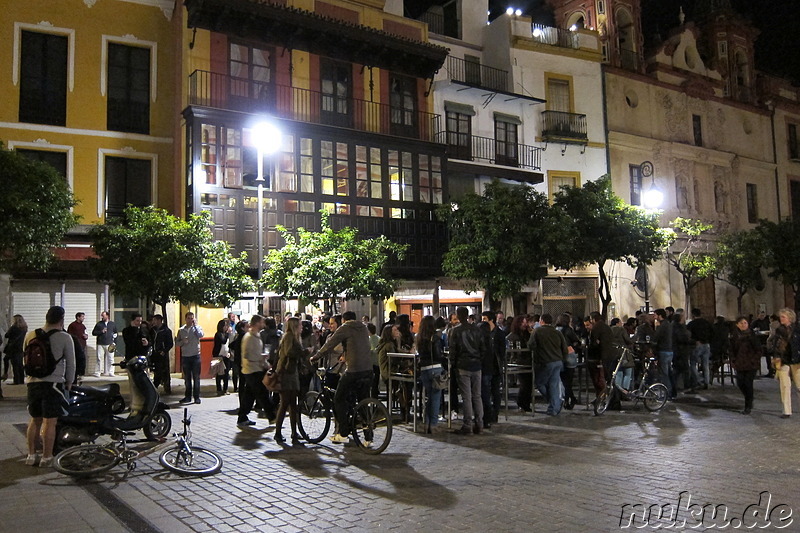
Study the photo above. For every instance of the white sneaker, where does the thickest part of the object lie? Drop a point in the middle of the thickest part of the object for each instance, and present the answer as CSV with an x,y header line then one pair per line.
x,y
453,415
46,462
338,439
31,459
96,374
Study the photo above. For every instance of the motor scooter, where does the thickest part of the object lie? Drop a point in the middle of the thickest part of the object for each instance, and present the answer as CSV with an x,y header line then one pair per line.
x,y
92,411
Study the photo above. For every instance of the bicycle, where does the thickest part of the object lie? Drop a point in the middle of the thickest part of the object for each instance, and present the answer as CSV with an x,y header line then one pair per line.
x,y
369,418
184,458
94,459
653,395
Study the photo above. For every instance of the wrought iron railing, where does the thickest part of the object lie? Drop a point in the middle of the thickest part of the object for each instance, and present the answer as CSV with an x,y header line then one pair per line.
x,y
554,36
221,91
474,73
475,148
561,125
435,22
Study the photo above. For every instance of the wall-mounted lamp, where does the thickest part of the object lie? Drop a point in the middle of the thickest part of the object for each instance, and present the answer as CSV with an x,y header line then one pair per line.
x,y
653,196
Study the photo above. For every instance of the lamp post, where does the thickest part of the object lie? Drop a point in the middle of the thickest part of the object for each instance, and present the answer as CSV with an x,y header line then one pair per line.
x,y
653,198
267,139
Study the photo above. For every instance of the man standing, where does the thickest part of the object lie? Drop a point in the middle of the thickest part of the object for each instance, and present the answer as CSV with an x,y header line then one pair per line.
x,y
468,347
78,332
601,355
701,331
358,374
549,349
252,388
106,332
162,344
46,399
188,340
663,346
491,369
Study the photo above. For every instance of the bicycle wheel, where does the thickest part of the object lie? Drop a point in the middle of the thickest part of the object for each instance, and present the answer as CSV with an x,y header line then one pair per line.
x,y
372,426
200,462
315,418
655,396
159,426
602,402
86,460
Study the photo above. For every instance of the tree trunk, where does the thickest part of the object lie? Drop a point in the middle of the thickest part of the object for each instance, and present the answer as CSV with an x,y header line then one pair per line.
x,y
739,303
796,297
604,291
164,313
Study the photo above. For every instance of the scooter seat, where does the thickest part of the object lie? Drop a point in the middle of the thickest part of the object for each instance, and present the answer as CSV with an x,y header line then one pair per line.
x,y
110,389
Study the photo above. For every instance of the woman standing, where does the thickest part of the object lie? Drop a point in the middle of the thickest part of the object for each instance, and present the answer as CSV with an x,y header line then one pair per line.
x,y
568,374
786,360
290,351
430,366
745,359
13,350
222,355
518,339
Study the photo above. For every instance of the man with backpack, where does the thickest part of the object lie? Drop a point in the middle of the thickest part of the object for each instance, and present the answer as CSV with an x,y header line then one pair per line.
x,y
50,365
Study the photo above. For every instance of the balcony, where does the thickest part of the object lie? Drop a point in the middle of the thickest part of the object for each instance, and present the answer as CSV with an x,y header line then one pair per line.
x,y
477,75
474,148
221,91
629,59
558,126
555,36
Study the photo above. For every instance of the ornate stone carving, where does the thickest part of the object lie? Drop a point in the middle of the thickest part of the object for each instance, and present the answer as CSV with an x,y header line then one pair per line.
x,y
675,117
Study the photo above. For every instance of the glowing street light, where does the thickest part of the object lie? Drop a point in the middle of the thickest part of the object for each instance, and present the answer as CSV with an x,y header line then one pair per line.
x,y
266,137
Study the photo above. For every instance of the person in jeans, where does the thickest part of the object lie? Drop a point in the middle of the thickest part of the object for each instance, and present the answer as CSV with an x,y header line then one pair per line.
x,y
468,347
663,347
357,378
491,371
549,349
428,346
254,366
702,332
188,340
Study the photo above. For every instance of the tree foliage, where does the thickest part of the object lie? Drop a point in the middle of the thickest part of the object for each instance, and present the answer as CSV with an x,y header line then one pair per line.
x,y
740,257
597,226
35,212
153,255
327,264
690,253
498,240
781,242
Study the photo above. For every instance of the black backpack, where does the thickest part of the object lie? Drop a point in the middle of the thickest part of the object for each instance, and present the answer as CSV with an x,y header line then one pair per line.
x,y
38,359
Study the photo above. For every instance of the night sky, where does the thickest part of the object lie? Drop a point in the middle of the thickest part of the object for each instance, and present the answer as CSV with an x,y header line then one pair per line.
x,y
777,47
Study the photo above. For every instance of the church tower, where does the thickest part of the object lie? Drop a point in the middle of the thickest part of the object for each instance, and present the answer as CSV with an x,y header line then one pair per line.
x,y
728,40
617,21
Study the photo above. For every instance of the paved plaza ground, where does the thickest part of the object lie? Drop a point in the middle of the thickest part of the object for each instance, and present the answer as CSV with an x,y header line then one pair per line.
x,y
571,473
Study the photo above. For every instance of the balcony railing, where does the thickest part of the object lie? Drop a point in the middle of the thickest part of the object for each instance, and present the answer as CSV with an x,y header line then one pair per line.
x,y
561,126
554,36
629,59
474,148
476,74
221,91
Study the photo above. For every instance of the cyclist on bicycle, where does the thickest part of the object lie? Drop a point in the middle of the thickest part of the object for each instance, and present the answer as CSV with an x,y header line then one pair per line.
x,y
353,334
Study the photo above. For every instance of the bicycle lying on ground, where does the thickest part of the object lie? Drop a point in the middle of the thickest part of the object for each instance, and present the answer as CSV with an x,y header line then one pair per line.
x,y
369,418
94,459
653,395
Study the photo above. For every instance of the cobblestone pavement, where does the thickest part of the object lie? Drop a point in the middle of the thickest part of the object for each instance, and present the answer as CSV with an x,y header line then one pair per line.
x,y
571,473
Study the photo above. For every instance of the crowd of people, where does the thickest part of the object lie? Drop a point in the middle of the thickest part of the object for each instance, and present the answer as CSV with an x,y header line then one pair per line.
x,y
464,353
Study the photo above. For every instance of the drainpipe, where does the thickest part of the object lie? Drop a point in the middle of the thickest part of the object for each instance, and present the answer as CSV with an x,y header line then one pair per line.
x,y
605,122
771,106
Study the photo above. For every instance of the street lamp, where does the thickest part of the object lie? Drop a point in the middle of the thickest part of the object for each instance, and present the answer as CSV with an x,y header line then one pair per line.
x,y
652,198
267,138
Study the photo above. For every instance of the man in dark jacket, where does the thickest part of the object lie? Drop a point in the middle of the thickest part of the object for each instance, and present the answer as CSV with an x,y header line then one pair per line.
x,y
162,344
702,332
491,368
600,355
468,347
663,347
549,348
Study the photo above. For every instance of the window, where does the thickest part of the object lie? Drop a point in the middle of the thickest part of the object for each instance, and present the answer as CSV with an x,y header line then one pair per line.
x,y
335,168
557,179
697,130
57,160
794,150
505,142
636,184
250,69
752,203
403,103
400,176
368,172
430,179
459,135
128,104
128,181
43,78
559,95
306,165
794,191
336,92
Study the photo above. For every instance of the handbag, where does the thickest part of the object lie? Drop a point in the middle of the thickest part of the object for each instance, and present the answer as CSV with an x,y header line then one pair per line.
x,y
272,381
441,381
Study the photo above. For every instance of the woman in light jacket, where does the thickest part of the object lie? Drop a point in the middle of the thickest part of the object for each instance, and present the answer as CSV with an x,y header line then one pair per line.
x,y
786,357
